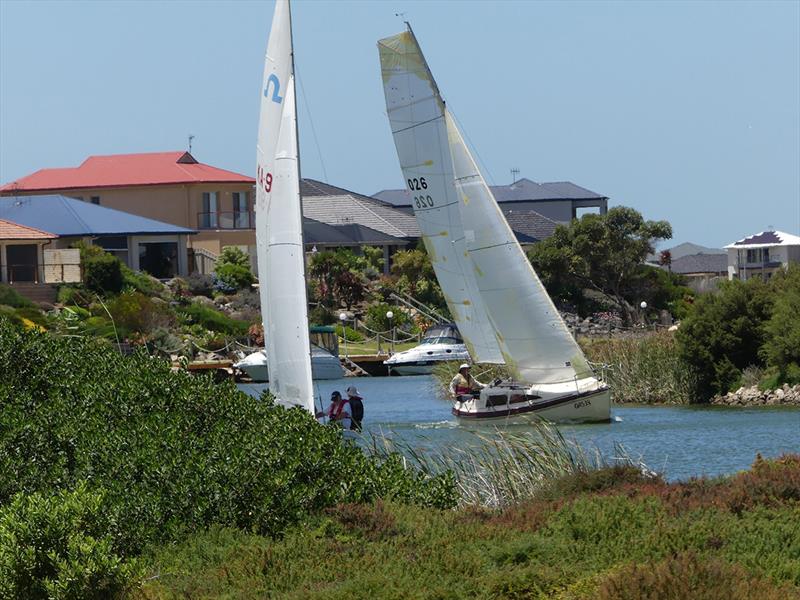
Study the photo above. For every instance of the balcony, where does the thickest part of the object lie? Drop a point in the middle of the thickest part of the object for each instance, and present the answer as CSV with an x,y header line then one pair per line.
x,y
226,220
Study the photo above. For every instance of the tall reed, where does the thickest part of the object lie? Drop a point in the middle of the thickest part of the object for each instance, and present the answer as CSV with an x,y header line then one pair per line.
x,y
500,468
644,369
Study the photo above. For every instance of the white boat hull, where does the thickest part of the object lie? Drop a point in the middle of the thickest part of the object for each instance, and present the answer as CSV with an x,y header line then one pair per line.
x,y
421,359
587,402
324,365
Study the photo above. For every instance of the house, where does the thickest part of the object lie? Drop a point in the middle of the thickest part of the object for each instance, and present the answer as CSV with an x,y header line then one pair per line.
x,y
762,254
37,231
702,271
558,201
170,187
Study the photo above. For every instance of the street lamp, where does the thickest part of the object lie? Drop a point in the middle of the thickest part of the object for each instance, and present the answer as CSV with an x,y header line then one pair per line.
x,y
343,319
390,316
643,306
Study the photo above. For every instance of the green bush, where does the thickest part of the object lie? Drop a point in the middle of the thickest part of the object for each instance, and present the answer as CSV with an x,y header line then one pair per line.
x,y
143,283
135,312
212,319
173,451
322,315
10,297
234,276
74,294
60,545
781,348
722,335
349,333
102,273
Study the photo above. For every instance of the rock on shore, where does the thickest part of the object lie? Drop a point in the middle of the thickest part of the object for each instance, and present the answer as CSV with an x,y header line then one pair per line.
x,y
752,396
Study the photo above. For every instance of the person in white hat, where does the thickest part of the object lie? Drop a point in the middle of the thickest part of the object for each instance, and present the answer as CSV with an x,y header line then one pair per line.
x,y
463,384
356,406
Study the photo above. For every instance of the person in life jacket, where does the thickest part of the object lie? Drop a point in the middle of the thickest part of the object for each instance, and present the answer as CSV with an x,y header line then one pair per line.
x,y
338,411
463,384
356,407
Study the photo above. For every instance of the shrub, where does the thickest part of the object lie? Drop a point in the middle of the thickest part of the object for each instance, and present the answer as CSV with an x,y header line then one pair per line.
x,y
74,294
200,284
102,273
133,311
142,282
231,277
349,333
232,255
781,346
173,451
10,297
213,319
60,546
722,335
322,315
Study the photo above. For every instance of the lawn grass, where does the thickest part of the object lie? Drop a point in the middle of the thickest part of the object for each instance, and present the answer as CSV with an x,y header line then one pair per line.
x,y
600,535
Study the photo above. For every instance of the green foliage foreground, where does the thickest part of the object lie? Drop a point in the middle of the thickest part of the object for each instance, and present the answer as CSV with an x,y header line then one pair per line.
x,y
611,534
168,453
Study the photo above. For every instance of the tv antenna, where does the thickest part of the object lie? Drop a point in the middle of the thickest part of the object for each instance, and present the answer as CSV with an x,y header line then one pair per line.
x,y
514,173
191,137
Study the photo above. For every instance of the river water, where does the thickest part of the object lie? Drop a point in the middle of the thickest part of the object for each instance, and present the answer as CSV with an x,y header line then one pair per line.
x,y
677,441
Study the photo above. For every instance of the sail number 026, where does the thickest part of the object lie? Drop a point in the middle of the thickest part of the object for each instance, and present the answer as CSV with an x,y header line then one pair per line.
x,y
416,185
264,180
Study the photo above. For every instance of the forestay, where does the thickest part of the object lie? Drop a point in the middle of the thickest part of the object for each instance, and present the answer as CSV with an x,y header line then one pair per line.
x,y
416,116
279,237
538,347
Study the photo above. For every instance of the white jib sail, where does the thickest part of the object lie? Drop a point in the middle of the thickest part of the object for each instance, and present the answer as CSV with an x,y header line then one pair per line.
x,y
279,233
416,116
540,348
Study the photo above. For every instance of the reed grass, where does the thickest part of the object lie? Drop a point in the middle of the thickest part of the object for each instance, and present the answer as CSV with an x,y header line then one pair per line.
x,y
643,369
501,468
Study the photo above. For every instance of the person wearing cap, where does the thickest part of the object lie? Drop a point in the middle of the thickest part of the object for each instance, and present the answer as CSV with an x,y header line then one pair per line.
x,y
338,411
356,407
463,384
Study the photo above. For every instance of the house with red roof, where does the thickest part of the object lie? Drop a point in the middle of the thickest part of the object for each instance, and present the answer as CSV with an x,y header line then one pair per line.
x,y
172,187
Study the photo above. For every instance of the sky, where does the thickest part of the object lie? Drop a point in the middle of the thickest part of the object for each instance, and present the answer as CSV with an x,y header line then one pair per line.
x,y
686,111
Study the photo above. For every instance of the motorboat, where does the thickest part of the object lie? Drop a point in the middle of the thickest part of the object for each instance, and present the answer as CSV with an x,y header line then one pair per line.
x,y
324,365
500,306
440,343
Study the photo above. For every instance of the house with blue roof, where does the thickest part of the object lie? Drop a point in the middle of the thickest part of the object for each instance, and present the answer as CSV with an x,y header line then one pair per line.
x,y
31,227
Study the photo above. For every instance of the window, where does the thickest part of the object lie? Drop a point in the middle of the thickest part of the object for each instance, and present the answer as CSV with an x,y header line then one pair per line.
x,y
116,245
95,199
241,210
758,255
208,218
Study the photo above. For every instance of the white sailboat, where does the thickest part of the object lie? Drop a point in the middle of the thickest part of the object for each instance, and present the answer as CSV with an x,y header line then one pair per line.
x,y
279,232
495,280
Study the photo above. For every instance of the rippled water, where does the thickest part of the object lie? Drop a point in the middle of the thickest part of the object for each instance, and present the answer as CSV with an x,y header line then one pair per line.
x,y
679,441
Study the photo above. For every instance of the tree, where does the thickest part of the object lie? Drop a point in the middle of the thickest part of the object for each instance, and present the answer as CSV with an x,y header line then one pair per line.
x,y
415,277
337,277
232,269
723,333
781,348
604,253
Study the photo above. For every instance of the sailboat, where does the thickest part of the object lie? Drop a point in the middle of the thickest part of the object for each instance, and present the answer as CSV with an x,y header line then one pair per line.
x,y
501,307
279,232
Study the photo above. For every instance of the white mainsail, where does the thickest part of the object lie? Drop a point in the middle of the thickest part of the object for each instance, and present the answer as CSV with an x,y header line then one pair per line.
x,y
416,116
540,348
279,232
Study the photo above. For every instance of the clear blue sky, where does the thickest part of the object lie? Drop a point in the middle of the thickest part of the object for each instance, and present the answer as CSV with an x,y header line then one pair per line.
x,y
687,111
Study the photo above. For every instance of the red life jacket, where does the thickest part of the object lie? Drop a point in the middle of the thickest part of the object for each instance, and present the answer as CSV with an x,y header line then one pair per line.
x,y
334,411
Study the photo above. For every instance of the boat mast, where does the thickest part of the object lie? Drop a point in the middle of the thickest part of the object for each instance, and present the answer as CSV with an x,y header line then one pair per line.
x,y
299,177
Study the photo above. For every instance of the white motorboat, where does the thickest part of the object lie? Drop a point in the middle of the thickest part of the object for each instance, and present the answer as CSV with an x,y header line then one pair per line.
x,y
324,365
501,308
439,344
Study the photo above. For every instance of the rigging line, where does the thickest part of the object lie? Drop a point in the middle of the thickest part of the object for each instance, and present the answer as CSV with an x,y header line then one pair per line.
x,y
474,147
311,122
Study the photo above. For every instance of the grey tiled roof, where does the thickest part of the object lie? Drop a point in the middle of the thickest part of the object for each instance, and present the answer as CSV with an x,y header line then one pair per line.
x,y
530,224
700,263
681,250
353,208
523,190
315,232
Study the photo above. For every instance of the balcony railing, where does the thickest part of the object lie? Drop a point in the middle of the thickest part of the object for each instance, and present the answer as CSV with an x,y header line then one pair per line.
x,y
226,220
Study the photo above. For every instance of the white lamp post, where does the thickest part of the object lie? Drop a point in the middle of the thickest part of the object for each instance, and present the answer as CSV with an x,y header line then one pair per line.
x,y
643,306
390,316
343,319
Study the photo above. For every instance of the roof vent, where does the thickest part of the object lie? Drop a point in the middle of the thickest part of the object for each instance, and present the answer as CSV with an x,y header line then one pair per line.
x,y
187,159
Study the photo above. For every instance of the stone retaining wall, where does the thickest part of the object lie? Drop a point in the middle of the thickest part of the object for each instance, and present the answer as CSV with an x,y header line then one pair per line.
x,y
752,396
